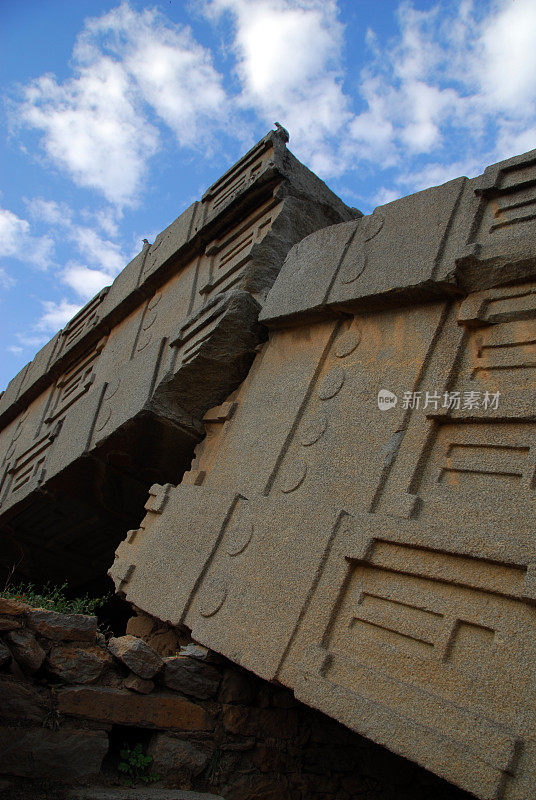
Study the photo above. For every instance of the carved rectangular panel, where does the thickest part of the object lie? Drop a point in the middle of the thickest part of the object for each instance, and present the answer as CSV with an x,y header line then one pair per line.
x,y
28,467
75,382
229,254
86,318
238,178
411,650
511,200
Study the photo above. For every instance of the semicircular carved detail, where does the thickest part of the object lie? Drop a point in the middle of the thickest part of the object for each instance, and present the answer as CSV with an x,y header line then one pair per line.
x,y
331,383
155,299
293,476
104,417
214,594
314,429
352,269
239,536
19,428
149,320
347,343
144,341
112,387
373,225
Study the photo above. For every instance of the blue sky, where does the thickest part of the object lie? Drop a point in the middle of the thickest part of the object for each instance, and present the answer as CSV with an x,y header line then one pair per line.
x,y
118,115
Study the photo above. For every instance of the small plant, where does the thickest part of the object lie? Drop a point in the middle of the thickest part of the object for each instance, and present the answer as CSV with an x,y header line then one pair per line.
x,y
53,598
136,765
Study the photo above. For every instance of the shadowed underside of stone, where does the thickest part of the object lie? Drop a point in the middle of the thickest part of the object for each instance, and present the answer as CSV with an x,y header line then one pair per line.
x,y
381,563
114,402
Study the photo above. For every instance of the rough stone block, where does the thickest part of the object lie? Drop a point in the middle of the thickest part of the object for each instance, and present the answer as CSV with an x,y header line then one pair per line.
x,y
137,684
5,654
74,663
136,655
191,676
157,710
9,622
26,649
63,627
145,793
14,608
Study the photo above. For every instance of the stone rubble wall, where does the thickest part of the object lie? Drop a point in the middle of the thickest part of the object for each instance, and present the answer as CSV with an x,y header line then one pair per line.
x,y
209,726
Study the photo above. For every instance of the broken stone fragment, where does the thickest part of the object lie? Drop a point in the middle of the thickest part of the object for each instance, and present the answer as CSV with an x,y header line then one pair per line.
x,y
74,663
191,677
135,654
63,627
26,649
162,638
200,653
137,684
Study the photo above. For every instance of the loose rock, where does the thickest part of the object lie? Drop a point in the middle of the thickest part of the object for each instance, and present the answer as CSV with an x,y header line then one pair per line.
x,y
20,702
78,664
136,655
63,627
26,649
191,677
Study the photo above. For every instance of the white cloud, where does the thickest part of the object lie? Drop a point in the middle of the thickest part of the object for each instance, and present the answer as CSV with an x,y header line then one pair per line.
x,y
104,258
17,241
92,129
288,64
127,64
6,280
461,81
85,281
506,65
49,212
56,315
32,339
106,219
172,72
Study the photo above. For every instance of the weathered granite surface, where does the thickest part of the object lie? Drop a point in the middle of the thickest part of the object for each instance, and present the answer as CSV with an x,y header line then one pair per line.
x,y
381,563
114,402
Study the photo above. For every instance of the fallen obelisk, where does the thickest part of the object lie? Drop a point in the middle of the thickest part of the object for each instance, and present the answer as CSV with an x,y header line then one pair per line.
x,y
114,402
359,522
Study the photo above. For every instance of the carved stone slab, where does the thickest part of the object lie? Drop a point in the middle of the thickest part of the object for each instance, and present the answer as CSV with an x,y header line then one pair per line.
x,y
114,403
379,557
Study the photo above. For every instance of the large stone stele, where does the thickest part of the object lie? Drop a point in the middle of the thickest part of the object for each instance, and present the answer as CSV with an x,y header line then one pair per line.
x,y
379,560
114,402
